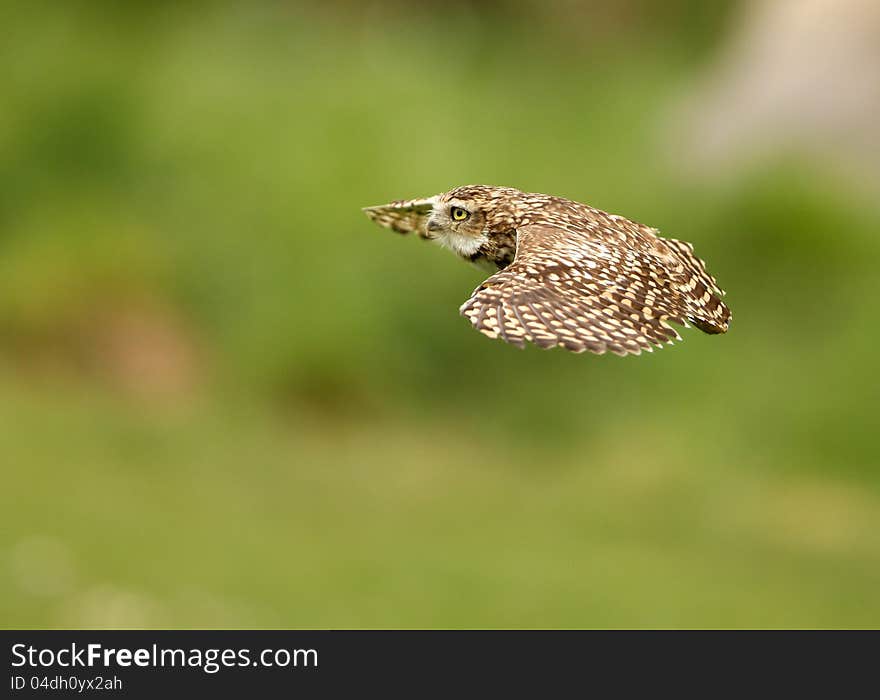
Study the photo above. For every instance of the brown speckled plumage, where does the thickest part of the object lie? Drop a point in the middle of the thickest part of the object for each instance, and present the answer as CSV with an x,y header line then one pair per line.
x,y
569,275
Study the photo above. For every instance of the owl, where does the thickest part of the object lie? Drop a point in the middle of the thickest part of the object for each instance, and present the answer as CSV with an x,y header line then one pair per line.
x,y
565,274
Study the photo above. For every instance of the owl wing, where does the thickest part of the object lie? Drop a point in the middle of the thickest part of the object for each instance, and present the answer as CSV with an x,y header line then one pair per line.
x,y
573,289
404,216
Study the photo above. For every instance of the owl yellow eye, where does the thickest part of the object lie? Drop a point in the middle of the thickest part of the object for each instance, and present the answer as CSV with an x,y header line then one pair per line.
x,y
459,214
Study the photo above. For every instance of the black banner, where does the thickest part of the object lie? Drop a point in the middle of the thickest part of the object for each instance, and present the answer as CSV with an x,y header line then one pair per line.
x,y
147,663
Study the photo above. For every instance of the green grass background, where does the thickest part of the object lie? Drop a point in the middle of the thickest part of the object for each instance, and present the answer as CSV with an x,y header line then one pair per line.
x,y
316,438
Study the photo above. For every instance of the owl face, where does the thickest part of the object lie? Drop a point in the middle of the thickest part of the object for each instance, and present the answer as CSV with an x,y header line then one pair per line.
x,y
458,224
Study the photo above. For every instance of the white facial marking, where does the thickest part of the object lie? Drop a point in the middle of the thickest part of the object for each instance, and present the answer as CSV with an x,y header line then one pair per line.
x,y
453,236
462,244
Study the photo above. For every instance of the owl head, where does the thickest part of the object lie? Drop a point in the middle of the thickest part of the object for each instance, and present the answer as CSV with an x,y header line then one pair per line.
x,y
458,213
459,219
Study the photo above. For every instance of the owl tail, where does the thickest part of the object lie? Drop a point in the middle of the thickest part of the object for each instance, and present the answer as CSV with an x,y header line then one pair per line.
x,y
711,316
702,295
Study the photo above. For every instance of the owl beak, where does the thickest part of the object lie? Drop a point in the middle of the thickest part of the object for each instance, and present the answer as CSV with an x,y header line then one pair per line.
x,y
431,228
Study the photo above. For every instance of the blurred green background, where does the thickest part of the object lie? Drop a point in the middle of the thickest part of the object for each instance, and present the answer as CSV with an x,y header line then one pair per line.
x,y
229,400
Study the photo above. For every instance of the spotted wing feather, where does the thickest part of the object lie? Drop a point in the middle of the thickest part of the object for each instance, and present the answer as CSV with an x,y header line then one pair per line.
x,y
403,216
569,288
707,312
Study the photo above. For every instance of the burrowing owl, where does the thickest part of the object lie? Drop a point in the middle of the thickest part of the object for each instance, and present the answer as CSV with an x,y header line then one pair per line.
x,y
567,274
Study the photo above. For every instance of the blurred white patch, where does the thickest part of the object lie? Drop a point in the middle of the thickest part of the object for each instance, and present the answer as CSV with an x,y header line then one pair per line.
x,y
106,606
795,76
42,566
